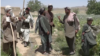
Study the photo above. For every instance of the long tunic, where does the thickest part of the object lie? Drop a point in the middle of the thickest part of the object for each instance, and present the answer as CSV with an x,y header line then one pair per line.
x,y
8,37
49,16
44,27
37,24
70,27
19,25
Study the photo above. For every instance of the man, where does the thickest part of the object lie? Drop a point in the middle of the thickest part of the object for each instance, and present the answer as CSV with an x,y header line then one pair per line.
x,y
27,22
71,27
88,36
50,16
44,29
19,25
7,31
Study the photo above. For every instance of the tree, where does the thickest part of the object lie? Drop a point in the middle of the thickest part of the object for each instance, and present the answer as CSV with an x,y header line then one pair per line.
x,y
93,7
97,8
34,5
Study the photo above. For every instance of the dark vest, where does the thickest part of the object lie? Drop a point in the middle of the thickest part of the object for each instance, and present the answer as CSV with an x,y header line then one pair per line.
x,y
25,25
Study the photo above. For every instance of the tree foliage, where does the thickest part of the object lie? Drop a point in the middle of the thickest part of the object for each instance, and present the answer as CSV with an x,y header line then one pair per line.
x,y
34,5
93,7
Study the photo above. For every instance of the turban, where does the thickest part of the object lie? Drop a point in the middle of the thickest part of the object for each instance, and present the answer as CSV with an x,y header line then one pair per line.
x,y
7,8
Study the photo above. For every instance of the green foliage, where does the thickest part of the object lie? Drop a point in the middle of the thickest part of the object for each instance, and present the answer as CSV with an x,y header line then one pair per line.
x,y
34,5
76,10
93,7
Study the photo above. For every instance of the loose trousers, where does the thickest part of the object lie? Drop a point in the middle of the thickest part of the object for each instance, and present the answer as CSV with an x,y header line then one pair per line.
x,y
26,34
8,48
71,43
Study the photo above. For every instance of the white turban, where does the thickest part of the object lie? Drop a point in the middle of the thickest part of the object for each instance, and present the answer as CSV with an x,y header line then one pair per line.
x,y
8,7
49,4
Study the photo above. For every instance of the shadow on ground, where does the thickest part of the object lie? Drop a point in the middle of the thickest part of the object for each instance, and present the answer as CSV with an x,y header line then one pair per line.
x,y
65,51
40,49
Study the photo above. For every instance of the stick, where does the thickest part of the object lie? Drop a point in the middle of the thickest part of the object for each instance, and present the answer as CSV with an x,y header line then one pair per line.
x,y
13,40
23,4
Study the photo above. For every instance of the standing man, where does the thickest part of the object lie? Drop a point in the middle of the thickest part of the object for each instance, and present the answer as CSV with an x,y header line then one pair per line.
x,y
88,36
50,16
44,29
7,31
27,22
71,27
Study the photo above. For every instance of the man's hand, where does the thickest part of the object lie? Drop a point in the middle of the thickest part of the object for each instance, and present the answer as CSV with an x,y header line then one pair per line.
x,y
76,31
23,17
19,18
82,40
51,23
58,17
31,27
83,33
48,32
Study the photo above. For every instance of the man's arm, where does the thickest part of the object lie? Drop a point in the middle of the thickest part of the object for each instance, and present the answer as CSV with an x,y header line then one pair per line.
x,y
77,23
61,20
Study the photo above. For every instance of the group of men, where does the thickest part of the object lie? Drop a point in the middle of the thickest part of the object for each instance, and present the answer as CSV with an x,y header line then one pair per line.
x,y
44,24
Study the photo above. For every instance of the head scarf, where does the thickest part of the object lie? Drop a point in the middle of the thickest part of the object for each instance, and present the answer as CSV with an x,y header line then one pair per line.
x,y
89,19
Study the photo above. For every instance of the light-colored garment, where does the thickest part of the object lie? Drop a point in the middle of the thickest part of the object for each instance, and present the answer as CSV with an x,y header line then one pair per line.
x,y
25,29
70,17
70,30
26,34
7,30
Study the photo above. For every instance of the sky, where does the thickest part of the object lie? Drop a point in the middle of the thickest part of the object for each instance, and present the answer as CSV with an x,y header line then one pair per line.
x,y
55,3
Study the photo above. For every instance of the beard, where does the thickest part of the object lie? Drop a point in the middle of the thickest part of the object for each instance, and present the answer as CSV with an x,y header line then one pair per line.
x,y
11,13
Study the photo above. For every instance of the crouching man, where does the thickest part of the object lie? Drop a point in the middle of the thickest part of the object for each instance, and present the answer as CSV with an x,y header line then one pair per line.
x,y
88,36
